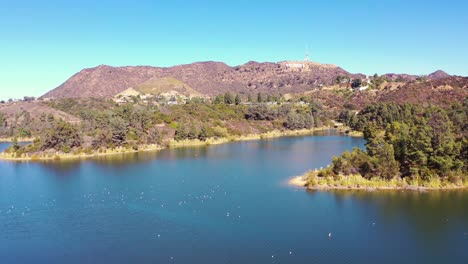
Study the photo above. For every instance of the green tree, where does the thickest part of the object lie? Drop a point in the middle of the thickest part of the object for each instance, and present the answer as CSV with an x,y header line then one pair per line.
x,y
298,121
228,98
259,98
398,134
50,118
154,136
181,132
237,100
356,83
119,129
3,121
43,117
192,132
15,144
62,136
219,99
102,138
387,165
445,147
204,134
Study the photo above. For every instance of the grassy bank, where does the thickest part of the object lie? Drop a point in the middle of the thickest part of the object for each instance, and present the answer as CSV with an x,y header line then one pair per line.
x,y
10,139
75,155
312,181
141,148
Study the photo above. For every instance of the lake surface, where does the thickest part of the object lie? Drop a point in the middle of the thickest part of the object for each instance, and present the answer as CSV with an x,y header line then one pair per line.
x,y
219,204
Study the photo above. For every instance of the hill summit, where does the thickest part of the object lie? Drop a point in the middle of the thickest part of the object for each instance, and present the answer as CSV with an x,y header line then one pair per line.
x,y
206,78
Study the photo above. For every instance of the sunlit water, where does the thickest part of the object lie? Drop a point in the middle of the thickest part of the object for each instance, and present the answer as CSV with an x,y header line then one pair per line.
x,y
220,204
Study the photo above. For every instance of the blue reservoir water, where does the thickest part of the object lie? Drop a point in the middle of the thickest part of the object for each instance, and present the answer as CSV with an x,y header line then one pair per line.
x,y
219,204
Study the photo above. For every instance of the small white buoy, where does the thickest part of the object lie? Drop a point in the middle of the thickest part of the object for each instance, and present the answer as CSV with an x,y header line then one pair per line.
x,y
290,252
329,234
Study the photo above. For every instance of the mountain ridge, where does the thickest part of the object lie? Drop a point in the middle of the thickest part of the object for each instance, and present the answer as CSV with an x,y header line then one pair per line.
x,y
212,78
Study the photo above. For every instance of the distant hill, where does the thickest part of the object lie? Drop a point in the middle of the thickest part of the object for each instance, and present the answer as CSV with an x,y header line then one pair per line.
x,y
211,78
206,78
400,77
158,85
438,75
409,77
440,91
101,82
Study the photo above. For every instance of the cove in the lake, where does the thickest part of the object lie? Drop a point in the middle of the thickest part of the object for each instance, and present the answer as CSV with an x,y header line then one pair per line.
x,y
219,204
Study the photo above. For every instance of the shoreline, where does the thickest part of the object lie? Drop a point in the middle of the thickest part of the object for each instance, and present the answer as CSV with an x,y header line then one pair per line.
x,y
173,144
349,132
248,137
20,140
65,156
302,182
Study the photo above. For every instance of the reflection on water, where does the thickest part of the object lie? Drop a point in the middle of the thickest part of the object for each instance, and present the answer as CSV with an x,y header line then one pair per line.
x,y
430,213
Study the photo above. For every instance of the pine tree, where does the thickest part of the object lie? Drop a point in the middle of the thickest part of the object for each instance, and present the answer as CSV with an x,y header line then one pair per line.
x,y
228,98
259,98
237,100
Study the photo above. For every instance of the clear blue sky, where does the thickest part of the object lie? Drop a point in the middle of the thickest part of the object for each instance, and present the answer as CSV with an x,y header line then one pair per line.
x,y
42,43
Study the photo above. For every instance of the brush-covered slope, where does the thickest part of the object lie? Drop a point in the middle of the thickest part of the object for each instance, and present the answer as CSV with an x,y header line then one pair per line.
x,y
206,78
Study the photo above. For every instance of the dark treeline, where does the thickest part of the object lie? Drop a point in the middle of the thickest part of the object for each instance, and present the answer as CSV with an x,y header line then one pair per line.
x,y
407,141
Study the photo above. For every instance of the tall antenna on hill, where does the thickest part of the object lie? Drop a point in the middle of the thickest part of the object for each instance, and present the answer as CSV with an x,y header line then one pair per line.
x,y
307,54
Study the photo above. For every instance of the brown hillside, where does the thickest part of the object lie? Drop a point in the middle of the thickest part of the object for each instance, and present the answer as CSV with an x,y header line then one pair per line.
x,y
35,109
102,81
208,78
440,92
438,75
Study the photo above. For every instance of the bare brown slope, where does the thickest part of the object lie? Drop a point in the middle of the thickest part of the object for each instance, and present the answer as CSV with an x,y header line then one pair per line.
x,y
400,77
102,81
35,109
204,77
438,75
209,78
278,78
441,92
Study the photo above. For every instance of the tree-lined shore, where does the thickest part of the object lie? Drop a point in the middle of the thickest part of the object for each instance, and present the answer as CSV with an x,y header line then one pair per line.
x,y
408,147
107,128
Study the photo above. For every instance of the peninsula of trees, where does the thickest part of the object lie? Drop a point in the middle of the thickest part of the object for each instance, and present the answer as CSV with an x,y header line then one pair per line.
x,y
408,146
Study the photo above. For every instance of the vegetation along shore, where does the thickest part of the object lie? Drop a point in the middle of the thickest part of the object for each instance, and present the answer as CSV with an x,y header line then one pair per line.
x,y
408,148
106,127
12,156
